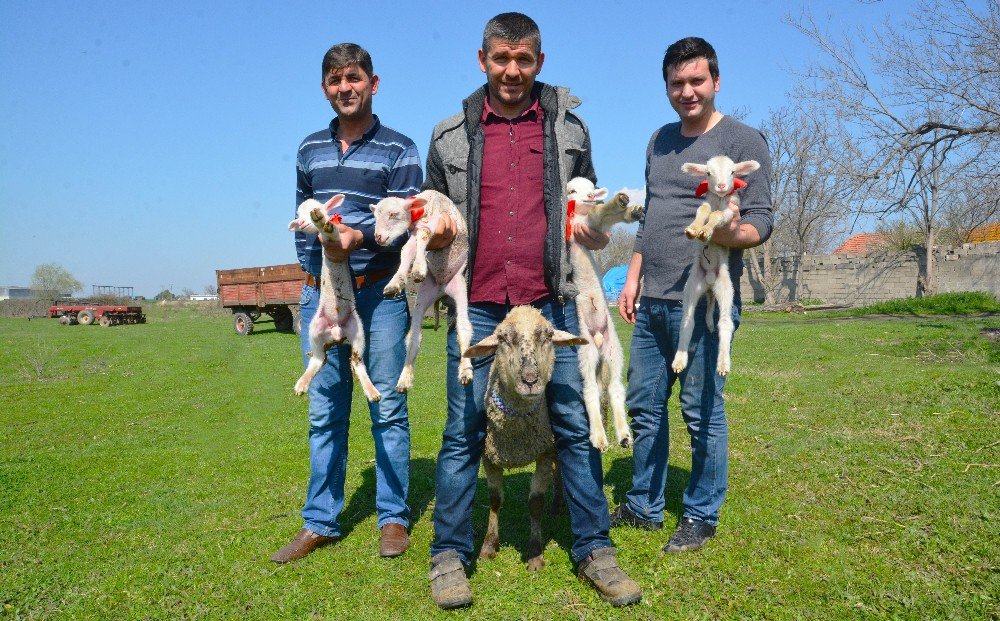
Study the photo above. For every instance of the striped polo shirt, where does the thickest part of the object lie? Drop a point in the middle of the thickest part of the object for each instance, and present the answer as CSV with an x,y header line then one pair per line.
x,y
381,163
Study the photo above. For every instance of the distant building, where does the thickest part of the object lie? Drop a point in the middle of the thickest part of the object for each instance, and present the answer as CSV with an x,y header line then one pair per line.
x,y
862,243
204,297
985,233
15,293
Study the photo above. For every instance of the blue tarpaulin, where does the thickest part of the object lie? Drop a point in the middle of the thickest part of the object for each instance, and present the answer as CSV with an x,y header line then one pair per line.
x,y
613,282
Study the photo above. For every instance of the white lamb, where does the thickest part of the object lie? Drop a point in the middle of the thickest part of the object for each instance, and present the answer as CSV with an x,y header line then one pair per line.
x,y
601,358
439,272
336,319
710,272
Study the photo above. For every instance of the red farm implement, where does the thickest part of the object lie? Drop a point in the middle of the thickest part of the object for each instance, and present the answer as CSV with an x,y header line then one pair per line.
x,y
105,315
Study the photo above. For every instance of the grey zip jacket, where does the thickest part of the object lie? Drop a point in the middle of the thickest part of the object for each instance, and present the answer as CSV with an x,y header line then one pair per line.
x,y
454,168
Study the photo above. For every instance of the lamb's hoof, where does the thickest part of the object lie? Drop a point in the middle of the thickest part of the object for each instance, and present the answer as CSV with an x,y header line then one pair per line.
x,y
600,441
391,290
486,554
723,370
465,376
374,397
418,277
405,382
690,233
535,563
625,441
301,387
680,362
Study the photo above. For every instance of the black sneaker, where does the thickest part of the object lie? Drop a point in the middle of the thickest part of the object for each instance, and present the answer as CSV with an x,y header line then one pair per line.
x,y
624,516
690,535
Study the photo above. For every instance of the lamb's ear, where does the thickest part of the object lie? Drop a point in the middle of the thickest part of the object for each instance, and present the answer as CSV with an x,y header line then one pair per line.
x,y
418,201
565,339
695,170
600,194
333,203
484,347
373,206
745,168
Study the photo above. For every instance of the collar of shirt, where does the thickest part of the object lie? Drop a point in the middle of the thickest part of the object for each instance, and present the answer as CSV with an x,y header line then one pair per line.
x,y
368,135
491,116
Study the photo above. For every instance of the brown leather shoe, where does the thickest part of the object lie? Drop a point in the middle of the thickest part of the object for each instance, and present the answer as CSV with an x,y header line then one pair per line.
x,y
393,541
304,543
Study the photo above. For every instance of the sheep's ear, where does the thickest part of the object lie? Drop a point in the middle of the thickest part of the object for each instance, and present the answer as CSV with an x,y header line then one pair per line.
x,y
600,194
565,339
418,202
333,203
373,206
745,168
484,347
695,170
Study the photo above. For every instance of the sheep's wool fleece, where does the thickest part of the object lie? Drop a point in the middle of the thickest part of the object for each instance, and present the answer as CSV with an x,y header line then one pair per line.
x,y
515,441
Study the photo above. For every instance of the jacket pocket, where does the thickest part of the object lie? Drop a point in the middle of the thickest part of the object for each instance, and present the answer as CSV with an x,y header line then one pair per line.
x,y
457,175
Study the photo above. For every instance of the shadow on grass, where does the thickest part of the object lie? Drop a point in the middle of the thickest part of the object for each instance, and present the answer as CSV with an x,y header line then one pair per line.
x,y
361,505
619,477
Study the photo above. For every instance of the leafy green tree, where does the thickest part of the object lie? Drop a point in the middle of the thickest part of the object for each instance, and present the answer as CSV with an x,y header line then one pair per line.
x,y
54,279
166,294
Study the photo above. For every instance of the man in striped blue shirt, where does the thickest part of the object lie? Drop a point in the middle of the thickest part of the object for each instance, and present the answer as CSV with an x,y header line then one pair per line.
x,y
366,161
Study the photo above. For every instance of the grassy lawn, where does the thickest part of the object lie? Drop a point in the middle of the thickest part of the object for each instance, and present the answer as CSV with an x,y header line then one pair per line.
x,y
149,471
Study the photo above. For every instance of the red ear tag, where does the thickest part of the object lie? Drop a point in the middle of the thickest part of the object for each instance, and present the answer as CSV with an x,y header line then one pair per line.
x,y
738,183
416,213
702,188
570,212
335,217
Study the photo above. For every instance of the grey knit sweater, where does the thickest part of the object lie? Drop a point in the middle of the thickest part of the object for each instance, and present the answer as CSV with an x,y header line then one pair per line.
x,y
667,255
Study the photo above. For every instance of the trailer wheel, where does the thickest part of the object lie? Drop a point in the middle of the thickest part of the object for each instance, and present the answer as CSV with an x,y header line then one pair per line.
x,y
85,317
297,321
242,324
64,320
106,321
283,319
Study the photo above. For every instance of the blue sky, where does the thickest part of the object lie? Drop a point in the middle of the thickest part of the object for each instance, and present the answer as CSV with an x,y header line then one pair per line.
x,y
147,144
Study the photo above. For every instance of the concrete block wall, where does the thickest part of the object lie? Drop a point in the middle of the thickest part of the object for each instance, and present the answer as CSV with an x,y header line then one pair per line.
x,y
856,279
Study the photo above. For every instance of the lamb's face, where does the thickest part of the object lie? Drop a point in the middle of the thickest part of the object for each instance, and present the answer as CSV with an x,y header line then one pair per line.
x,y
392,218
721,173
582,190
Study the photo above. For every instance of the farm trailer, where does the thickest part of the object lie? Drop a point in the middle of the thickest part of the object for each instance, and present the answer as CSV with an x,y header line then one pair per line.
x,y
250,292
106,315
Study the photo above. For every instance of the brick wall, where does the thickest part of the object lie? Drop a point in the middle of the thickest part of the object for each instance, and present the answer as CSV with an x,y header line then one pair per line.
x,y
857,279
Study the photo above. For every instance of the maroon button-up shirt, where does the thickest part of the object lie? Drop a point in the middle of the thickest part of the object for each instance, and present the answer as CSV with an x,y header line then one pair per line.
x,y
509,265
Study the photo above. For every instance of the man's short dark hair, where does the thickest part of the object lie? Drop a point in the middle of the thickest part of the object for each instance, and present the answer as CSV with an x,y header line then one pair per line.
x,y
345,55
688,49
512,27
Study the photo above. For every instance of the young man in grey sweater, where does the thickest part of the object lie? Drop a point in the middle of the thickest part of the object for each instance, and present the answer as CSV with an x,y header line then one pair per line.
x,y
664,256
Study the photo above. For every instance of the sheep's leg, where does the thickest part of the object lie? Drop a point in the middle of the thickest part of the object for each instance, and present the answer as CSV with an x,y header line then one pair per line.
x,y
427,294
700,218
422,235
609,212
355,334
719,217
558,494
615,359
693,290
398,282
326,227
709,309
724,293
588,357
494,478
540,482
456,290
317,340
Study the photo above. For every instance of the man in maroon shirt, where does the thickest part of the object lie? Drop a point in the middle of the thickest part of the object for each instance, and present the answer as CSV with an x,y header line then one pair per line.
x,y
504,161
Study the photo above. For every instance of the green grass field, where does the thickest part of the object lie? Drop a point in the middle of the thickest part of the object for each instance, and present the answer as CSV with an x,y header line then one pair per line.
x,y
149,471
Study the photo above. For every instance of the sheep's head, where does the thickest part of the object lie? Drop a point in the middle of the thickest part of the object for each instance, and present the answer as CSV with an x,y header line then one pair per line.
x,y
303,221
524,344
393,216
582,190
721,173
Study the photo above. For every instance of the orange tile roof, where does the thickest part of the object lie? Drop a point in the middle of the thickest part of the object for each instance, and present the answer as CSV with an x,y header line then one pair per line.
x,y
861,243
985,233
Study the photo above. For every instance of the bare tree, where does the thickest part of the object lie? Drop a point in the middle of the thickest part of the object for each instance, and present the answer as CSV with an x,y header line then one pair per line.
x,y
618,251
810,203
211,290
925,114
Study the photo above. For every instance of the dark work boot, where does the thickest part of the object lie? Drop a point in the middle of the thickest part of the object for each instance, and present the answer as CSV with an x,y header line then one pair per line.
x,y
690,535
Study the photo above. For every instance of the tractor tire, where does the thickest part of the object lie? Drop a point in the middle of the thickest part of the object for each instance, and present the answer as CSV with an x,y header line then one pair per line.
x,y
242,324
86,317
64,320
106,321
283,319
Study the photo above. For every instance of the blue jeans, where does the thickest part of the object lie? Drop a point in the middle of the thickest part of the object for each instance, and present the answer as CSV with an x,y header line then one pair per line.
x,y
650,381
465,433
385,322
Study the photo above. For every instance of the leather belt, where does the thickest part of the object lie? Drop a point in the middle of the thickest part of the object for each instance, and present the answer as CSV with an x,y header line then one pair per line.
x,y
360,282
